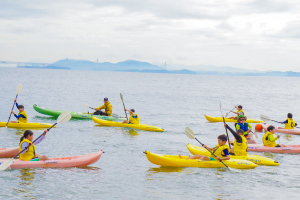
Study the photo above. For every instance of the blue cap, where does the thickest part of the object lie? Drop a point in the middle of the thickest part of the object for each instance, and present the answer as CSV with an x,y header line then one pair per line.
x,y
105,99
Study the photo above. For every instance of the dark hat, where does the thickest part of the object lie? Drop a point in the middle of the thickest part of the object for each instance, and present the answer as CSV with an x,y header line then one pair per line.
x,y
132,110
105,99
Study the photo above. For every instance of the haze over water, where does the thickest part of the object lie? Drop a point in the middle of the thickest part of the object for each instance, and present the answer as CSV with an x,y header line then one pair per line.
x,y
165,100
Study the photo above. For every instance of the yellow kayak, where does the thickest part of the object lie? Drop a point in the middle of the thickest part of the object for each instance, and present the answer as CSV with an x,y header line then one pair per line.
x,y
175,161
220,119
26,125
144,127
260,160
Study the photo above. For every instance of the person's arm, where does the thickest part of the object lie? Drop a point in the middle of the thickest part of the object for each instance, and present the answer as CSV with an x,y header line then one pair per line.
x,y
129,111
285,122
272,138
100,108
236,136
208,147
39,140
237,127
17,105
227,156
249,126
20,115
109,111
23,146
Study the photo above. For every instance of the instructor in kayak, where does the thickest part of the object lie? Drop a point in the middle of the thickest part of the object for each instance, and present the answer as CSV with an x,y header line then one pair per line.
x,y
106,106
22,116
30,154
134,118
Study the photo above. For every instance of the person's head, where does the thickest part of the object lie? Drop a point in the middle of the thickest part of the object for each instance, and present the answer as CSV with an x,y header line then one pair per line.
x,y
28,134
240,107
271,129
132,110
290,115
240,132
105,100
241,119
21,108
222,139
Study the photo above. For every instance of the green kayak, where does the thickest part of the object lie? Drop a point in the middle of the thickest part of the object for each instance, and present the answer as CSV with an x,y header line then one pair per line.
x,y
75,115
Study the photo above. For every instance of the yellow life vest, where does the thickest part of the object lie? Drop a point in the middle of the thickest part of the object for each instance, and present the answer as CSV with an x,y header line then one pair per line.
x,y
291,124
134,120
21,119
266,140
218,150
108,108
240,149
237,115
30,153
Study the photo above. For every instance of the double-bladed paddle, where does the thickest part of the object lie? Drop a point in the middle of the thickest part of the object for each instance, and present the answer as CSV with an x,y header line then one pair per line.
x,y
225,127
18,91
231,109
121,96
266,118
62,118
113,115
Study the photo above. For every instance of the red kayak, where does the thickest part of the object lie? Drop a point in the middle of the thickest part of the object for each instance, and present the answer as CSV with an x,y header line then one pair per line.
x,y
64,162
262,148
8,152
283,130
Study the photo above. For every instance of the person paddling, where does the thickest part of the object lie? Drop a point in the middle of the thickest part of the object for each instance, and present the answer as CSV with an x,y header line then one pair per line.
x,y
221,151
240,143
107,106
22,116
134,118
246,127
238,112
289,123
269,140
30,154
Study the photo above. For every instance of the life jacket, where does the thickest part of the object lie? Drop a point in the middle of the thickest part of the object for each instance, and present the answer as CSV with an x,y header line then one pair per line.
x,y
218,150
291,124
237,115
134,120
21,119
30,153
266,140
108,108
240,149
244,127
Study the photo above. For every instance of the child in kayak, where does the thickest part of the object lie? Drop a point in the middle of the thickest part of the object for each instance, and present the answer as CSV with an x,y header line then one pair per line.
x,y
240,143
269,140
107,106
221,151
246,127
22,116
30,154
134,118
238,112
289,123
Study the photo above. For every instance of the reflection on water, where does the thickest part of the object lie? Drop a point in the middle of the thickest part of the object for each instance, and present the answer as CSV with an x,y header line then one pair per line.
x,y
45,118
130,132
288,137
25,185
163,169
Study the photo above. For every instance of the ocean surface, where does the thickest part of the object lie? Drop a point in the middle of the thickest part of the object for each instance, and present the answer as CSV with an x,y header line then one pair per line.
x,y
169,101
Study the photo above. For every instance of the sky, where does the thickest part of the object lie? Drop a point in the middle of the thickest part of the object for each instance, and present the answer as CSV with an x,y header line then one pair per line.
x,y
257,35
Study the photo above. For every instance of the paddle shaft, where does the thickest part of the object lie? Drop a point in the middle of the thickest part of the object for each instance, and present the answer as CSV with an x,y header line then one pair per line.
x,y
210,152
11,109
124,107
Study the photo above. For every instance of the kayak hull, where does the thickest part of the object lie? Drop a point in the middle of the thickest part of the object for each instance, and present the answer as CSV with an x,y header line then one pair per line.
x,y
8,152
175,161
262,148
220,119
259,160
26,125
144,127
75,115
282,130
65,162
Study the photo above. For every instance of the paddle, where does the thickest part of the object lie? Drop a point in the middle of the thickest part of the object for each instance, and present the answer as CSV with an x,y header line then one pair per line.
x,y
225,127
231,109
266,118
123,105
113,115
191,135
62,118
18,91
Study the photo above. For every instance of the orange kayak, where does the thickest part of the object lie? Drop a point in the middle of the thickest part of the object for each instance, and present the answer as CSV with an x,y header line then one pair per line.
x,y
65,162
8,152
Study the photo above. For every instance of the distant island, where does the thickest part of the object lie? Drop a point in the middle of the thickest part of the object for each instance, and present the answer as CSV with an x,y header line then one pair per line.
x,y
145,67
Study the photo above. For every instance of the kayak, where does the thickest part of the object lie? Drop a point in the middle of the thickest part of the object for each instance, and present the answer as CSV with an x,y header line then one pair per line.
x,y
282,130
259,160
144,127
8,152
220,119
175,161
64,162
26,125
262,148
75,115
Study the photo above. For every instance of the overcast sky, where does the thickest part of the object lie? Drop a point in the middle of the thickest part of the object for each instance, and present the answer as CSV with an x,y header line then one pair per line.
x,y
249,34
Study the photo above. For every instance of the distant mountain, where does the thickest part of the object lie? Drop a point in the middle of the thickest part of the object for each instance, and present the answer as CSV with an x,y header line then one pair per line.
x,y
46,67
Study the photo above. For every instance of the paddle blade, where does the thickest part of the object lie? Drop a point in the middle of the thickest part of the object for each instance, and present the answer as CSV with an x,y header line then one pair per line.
x,y
6,164
115,116
19,89
85,105
121,96
64,117
189,133
265,118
